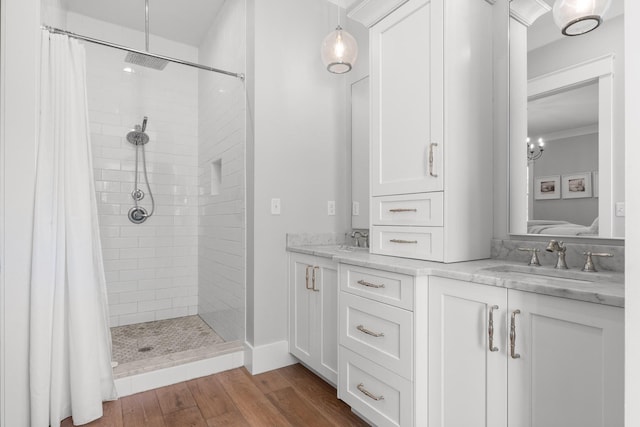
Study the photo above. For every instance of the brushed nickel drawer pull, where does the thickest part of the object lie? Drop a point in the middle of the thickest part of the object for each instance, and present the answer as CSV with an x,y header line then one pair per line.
x,y
403,241
368,332
370,285
491,347
433,144
512,335
396,210
313,280
368,393
307,276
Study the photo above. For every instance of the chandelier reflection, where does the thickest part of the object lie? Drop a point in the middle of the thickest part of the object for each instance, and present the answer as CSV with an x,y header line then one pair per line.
x,y
534,150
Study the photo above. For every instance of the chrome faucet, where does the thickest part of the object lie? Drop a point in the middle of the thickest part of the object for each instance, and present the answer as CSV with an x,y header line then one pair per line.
x,y
561,249
356,235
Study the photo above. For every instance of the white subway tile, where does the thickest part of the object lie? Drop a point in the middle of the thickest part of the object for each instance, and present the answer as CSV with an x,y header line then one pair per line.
x,y
185,301
139,274
154,305
159,283
137,253
132,319
172,313
120,309
117,287
136,296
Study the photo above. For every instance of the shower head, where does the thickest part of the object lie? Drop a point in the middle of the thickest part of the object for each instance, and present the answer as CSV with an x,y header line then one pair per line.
x,y
140,58
146,61
137,136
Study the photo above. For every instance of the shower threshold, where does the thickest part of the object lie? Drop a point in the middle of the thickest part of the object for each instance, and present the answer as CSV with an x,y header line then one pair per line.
x,y
151,346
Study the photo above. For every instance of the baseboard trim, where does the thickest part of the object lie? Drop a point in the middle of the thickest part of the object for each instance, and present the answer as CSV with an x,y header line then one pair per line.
x,y
267,357
175,374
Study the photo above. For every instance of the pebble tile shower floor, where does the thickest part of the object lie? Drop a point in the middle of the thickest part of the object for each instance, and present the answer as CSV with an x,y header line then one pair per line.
x,y
162,337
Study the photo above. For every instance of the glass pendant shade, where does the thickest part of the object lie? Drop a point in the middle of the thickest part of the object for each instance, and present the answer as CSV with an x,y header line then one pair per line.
x,y
575,17
339,51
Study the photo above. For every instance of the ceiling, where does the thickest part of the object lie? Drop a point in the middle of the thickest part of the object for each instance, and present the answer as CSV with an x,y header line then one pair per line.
x,y
567,110
185,21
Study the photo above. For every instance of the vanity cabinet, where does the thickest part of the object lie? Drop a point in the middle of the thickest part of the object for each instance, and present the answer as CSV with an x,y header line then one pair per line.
x,y
431,130
313,317
563,367
377,350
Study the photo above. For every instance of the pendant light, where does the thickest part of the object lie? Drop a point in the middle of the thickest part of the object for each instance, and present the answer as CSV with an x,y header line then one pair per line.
x,y
339,50
575,17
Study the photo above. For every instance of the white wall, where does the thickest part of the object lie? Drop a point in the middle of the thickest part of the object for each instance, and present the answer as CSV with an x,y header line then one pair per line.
x,y
151,268
299,150
19,55
632,249
221,233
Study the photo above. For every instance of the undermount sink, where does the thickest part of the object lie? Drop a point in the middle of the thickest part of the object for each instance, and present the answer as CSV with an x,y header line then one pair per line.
x,y
571,275
347,248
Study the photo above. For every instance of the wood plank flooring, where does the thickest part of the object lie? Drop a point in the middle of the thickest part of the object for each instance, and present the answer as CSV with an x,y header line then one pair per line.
x,y
291,396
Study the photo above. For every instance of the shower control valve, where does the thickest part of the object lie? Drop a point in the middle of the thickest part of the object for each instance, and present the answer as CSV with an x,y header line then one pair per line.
x,y
137,194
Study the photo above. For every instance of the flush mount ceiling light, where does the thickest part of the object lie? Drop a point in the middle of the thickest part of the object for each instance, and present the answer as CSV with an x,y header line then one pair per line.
x,y
575,17
339,50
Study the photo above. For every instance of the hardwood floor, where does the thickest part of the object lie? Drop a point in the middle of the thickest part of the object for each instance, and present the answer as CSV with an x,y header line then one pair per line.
x,y
291,396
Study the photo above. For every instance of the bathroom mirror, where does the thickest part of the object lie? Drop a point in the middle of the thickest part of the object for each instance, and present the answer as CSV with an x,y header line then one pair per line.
x,y
360,154
566,160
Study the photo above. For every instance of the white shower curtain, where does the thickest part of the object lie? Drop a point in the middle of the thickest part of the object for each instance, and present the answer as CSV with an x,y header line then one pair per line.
x,y
70,340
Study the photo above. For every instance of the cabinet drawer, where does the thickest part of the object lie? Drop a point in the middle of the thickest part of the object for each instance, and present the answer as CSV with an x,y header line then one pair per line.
x,y
381,396
425,243
409,209
378,331
384,286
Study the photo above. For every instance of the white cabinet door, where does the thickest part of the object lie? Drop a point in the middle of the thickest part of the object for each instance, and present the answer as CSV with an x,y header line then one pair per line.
x,y
406,96
313,313
571,366
302,308
327,321
467,381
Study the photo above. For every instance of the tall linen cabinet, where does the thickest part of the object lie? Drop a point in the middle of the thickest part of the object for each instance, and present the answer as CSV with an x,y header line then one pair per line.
x,y
431,130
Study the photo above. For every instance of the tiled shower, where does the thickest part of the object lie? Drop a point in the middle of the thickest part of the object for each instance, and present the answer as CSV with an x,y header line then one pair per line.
x,y
189,257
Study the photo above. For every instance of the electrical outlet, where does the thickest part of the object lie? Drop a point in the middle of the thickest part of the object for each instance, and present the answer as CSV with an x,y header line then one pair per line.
x,y
331,207
355,209
620,209
275,206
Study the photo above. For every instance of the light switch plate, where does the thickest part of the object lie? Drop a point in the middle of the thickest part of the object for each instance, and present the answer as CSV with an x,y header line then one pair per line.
x,y
619,208
355,209
331,207
275,206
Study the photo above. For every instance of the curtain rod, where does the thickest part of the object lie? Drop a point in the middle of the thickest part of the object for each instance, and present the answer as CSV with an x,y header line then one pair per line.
x,y
141,52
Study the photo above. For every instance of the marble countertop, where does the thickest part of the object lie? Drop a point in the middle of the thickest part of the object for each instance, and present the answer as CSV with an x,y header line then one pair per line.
x,y
601,287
